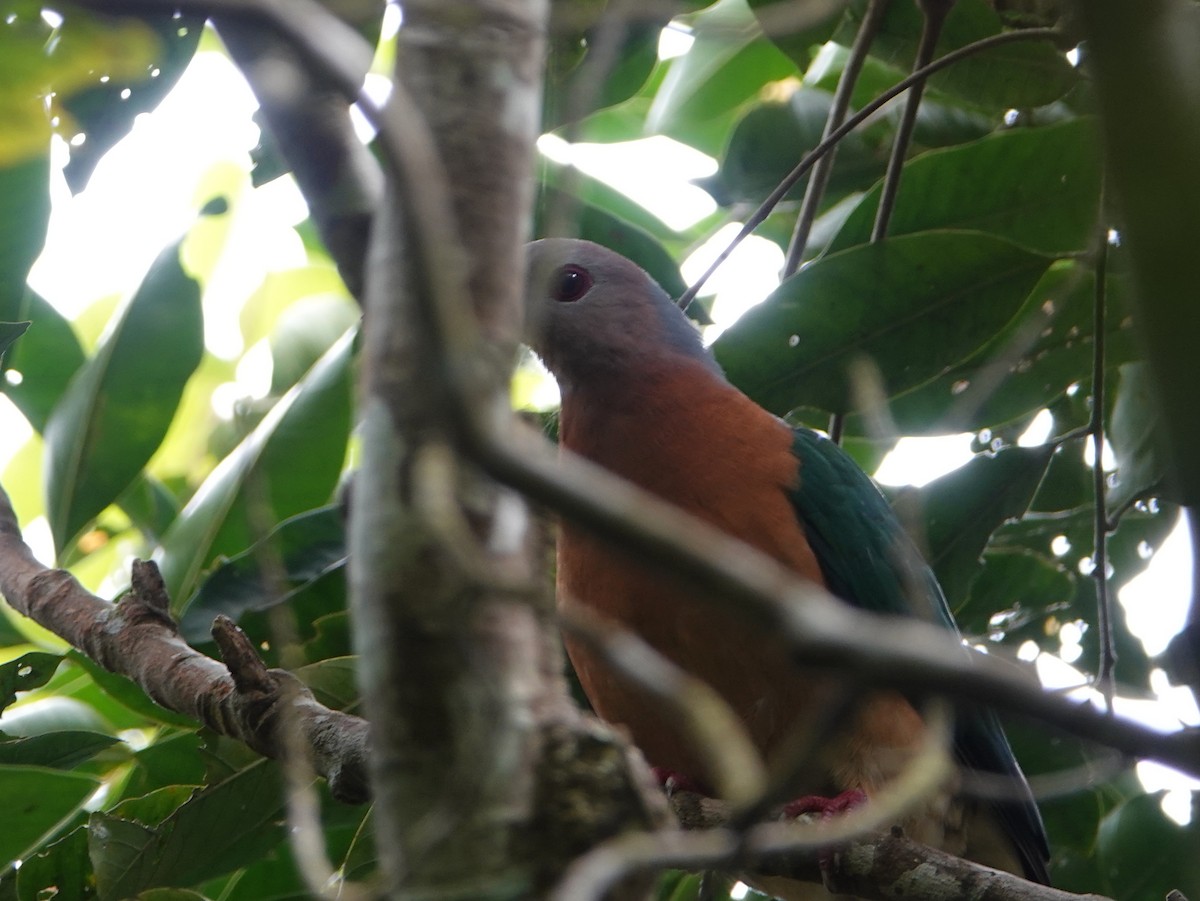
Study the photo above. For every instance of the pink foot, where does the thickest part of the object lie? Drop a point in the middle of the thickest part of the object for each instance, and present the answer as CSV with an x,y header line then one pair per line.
x,y
826,807
672,781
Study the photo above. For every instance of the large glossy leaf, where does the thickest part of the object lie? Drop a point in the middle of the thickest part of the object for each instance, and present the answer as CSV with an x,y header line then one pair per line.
x,y
309,546
105,110
54,750
24,216
798,28
313,416
36,800
1016,75
1137,439
1029,363
960,512
46,358
218,830
914,305
773,137
1037,187
120,403
728,63
1013,592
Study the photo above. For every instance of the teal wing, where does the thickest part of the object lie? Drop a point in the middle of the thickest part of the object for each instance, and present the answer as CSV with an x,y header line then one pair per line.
x,y
868,560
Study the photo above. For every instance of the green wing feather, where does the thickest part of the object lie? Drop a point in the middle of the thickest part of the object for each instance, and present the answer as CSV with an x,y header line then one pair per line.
x,y
868,560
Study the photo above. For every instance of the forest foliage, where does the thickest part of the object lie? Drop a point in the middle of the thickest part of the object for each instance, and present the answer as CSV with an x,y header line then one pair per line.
x,y
977,314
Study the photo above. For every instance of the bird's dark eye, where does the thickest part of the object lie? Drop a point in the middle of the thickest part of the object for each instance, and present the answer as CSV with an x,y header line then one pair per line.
x,y
570,283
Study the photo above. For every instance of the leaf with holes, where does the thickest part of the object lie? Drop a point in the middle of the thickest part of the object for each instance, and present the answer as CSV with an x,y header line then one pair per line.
x,y
914,306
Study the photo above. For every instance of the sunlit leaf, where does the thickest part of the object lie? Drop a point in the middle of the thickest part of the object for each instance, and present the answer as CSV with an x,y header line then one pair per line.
x,y
120,403
1037,187
219,829
36,801
314,416
913,305
27,672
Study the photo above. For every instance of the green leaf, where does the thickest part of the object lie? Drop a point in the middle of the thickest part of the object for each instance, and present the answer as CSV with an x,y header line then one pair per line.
x,y
127,693
1029,363
54,750
174,759
728,63
35,802
309,546
61,871
10,332
771,138
314,415
1016,75
24,218
47,358
963,509
914,305
1146,855
120,403
218,830
1135,434
1037,187
796,29
27,672
105,112
1013,590
333,681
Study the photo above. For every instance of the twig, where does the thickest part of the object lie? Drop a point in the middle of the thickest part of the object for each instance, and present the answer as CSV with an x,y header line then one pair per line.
x,y
819,179
687,703
828,143
1108,652
137,638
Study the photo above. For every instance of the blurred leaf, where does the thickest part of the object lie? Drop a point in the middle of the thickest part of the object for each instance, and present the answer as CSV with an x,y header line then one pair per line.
x,y
1037,187
120,403
47,358
150,506
303,332
27,672
219,829
35,801
1145,854
1011,590
24,216
1137,439
309,546
914,305
105,111
1029,363
127,693
796,28
333,681
961,510
54,750
728,63
313,415
771,138
59,871
10,332
173,759
1015,75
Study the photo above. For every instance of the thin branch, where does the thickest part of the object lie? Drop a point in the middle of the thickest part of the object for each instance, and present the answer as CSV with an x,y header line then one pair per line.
x,y
137,638
886,867
1105,672
687,703
821,172
933,14
828,143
